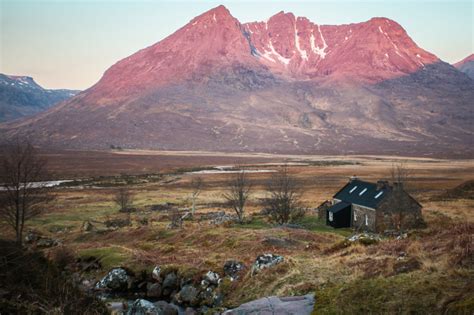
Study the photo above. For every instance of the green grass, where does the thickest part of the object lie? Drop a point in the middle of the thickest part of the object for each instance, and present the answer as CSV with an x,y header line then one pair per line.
x,y
109,256
257,223
313,223
413,293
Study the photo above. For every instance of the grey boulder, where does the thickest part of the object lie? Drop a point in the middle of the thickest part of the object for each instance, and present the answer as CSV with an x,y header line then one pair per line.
x,y
292,305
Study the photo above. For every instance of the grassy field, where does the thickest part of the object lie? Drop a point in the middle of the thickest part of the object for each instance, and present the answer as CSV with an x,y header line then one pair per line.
x,y
347,279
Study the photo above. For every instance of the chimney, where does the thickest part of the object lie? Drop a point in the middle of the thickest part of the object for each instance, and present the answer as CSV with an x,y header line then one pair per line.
x,y
398,185
352,178
381,184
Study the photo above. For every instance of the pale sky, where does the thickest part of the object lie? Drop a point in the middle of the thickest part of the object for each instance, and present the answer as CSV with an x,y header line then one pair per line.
x,y
69,44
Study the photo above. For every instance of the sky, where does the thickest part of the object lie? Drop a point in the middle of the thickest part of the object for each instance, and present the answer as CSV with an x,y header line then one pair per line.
x,y
70,43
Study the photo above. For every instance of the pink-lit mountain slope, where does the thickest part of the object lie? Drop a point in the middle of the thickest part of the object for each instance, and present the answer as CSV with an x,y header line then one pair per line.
x,y
284,85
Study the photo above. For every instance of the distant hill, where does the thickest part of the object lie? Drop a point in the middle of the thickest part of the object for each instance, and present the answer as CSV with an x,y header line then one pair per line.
x,y
22,96
466,65
283,85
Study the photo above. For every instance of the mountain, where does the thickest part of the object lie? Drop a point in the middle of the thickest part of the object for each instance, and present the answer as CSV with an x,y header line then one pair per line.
x,y
285,85
22,96
466,65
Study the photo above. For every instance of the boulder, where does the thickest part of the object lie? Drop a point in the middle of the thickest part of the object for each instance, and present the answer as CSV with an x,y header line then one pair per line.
x,y
188,295
143,307
212,278
117,280
31,237
301,305
87,226
153,290
166,308
47,242
170,283
155,274
365,238
265,261
232,269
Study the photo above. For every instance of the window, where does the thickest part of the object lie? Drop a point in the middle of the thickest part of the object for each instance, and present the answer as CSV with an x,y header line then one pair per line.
x,y
363,191
352,190
366,220
355,216
330,217
379,194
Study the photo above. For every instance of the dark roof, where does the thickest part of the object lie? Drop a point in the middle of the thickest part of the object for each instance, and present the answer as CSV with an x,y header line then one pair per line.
x,y
362,193
339,206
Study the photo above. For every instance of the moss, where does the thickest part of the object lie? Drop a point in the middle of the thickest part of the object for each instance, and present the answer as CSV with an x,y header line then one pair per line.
x,y
414,293
109,256
313,223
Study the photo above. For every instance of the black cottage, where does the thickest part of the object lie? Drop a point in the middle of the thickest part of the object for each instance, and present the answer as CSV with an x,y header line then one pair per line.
x,y
339,215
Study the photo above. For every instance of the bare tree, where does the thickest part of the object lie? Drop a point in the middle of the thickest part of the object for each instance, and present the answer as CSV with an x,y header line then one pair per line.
x,y
283,205
123,198
23,195
196,185
239,192
400,176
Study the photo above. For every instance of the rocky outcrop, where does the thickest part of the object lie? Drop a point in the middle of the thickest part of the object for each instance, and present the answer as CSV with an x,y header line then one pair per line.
x,y
265,261
233,268
300,305
117,279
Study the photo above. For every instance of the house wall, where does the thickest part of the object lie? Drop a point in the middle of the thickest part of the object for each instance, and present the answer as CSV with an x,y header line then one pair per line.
x,y
398,205
363,218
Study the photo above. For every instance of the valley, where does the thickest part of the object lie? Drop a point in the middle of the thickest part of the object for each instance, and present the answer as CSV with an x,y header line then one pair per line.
x,y
316,257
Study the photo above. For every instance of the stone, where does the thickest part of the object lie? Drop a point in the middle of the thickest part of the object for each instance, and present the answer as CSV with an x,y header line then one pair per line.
x,y
365,238
31,237
143,307
155,274
212,278
117,280
265,261
188,295
232,268
46,242
190,311
153,290
87,226
301,305
171,280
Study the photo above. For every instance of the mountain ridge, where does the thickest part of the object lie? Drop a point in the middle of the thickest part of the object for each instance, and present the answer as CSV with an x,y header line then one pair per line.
x,y
21,96
217,84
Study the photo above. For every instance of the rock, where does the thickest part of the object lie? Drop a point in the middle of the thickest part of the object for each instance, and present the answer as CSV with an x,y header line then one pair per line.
x,y
365,238
143,307
153,290
190,311
301,305
232,269
171,309
166,308
221,217
188,295
265,261
170,283
117,280
155,274
31,237
47,242
87,226
212,278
